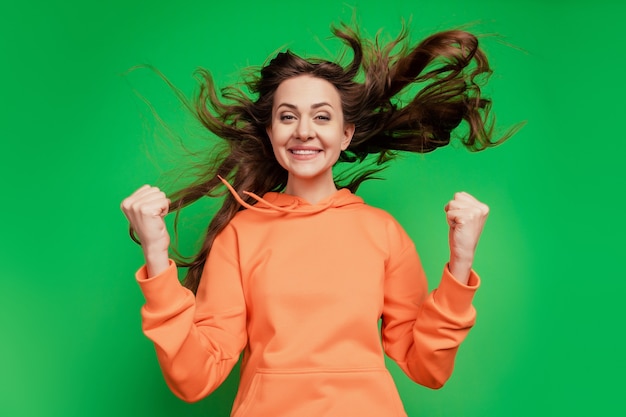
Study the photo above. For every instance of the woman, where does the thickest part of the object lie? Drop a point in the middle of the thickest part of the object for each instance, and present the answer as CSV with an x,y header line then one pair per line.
x,y
296,271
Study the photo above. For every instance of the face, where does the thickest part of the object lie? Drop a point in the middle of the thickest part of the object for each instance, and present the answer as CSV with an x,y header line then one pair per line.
x,y
308,131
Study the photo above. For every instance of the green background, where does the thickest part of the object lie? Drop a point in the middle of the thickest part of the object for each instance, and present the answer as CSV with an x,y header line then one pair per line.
x,y
76,139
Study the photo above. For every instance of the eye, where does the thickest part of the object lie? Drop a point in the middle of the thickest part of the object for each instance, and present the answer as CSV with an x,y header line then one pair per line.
x,y
287,117
324,117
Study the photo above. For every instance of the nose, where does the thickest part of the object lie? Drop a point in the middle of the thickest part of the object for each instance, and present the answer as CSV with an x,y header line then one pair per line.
x,y
305,131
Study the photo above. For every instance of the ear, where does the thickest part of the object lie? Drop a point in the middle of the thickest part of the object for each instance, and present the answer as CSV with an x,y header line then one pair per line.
x,y
348,132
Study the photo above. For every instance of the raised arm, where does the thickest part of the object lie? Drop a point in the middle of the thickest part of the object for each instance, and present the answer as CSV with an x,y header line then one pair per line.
x,y
197,339
422,332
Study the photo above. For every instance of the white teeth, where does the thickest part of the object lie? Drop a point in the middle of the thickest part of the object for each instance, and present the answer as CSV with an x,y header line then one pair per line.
x,y
303,151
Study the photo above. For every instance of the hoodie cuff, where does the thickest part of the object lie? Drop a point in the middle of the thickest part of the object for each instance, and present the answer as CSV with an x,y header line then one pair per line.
x,y
160,291
454,296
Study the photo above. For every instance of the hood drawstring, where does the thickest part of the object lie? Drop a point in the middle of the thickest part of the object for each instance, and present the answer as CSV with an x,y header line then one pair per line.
x,y
293,208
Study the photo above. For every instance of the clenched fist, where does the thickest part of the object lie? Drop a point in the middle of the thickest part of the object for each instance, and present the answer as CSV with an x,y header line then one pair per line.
x,y
466,217
145,209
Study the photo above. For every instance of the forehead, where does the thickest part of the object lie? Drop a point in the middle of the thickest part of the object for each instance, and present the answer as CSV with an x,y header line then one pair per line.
x,y
305,90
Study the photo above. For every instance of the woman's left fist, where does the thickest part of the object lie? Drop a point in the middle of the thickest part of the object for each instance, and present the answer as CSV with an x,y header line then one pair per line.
x,y
466,217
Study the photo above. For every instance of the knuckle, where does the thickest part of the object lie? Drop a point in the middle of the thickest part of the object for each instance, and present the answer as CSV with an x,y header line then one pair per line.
x,y
136,208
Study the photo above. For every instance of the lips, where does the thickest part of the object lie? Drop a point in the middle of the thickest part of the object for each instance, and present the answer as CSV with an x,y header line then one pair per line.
x,y
304,151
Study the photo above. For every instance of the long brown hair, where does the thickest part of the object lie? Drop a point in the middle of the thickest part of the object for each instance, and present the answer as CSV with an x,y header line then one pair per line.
x,y
400,97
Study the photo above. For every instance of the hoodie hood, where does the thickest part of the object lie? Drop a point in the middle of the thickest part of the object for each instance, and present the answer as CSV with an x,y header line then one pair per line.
x,y
274,203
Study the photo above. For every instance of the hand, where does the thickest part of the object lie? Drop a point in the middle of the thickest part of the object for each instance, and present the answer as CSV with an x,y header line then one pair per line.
x,y
145,209
466,217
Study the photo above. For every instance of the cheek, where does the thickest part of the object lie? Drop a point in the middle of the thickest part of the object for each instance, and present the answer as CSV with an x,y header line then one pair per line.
x,y
277,145
278,135
279,151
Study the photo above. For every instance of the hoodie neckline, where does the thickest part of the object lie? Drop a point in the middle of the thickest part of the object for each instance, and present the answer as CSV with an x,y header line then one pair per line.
x,y
276,202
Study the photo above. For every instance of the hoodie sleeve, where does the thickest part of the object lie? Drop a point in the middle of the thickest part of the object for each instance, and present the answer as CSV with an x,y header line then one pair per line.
x,y
198,339
421,331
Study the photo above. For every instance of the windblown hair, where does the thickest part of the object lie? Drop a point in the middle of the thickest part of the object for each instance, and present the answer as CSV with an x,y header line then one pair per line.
x,y
400,98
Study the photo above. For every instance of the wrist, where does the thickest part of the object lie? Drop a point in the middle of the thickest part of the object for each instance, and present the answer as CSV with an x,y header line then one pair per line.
x,y
462,260
156,261
460,269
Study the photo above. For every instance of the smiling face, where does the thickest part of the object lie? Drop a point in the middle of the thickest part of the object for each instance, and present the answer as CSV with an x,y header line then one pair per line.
x,y
308,133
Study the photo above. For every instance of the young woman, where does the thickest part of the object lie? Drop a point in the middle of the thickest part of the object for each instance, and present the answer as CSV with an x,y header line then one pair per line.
x,y
296,270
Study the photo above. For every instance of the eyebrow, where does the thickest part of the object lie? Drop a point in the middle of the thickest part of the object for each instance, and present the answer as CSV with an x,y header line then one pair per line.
x,y
313,106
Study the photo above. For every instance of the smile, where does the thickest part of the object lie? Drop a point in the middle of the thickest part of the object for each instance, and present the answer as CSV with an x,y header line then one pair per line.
x,y
304,151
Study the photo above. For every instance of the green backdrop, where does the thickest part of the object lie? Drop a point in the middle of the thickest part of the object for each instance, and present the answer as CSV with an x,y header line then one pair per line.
x,y
75,140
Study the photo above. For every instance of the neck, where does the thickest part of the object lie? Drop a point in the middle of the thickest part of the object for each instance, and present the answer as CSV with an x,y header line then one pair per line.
x,y
312,190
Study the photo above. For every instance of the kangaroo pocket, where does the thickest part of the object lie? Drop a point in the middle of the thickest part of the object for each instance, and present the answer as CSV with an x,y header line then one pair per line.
x,y
328,393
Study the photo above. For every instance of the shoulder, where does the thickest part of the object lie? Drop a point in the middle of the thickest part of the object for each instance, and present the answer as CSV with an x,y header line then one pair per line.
x,y
380,215
386,225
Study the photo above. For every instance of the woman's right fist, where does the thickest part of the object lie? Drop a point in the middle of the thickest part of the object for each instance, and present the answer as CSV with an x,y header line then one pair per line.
x,y
145,210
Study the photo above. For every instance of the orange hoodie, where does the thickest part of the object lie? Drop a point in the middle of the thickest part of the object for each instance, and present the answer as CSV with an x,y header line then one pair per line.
x,y
299,288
